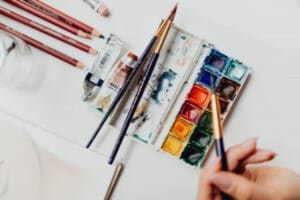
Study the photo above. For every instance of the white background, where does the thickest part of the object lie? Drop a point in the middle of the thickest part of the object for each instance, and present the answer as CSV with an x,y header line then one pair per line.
x,y
263,34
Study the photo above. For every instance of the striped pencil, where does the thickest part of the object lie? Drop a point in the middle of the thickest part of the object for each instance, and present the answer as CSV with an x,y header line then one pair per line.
x,y
43,47
46,30
27,7
60,16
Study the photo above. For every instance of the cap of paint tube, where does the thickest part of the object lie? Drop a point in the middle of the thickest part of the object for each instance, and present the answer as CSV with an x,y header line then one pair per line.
x,y
103,10
131,58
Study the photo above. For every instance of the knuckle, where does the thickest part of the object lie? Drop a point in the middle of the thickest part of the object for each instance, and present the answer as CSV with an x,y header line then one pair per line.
x,y
233,149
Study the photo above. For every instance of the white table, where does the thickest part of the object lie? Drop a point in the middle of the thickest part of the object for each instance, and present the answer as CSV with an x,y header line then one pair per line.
x,y
262,34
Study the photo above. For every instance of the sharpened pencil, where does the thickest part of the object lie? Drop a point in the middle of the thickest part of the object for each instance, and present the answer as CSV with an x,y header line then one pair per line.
x,y
63,17
51,32
22,4
43,47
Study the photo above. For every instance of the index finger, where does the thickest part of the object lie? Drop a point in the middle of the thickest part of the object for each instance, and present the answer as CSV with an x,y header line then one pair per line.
x,y
206,190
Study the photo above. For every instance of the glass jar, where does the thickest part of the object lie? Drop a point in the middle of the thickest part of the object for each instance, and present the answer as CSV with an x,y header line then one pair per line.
x,y
15,61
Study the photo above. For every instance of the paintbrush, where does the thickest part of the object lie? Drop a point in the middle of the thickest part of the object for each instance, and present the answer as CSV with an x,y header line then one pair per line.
x,y
218,130
131,76
114,180
149,69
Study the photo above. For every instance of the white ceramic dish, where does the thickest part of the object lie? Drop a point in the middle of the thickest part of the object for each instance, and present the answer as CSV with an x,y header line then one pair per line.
x,y
19,166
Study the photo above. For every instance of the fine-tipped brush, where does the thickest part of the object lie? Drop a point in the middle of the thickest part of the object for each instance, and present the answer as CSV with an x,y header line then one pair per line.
x,y
135,71
149,69
218,130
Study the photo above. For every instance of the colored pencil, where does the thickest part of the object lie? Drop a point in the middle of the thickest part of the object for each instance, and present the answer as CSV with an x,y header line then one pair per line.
x,y
63,17
149,70
27,7
131,76
218,131
46,30
43,47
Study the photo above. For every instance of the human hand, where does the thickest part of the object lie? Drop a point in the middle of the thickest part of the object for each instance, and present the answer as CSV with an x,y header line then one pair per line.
x,y
243,182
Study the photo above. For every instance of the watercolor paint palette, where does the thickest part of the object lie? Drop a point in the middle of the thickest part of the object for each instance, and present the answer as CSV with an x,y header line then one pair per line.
x,y
176,116
189,136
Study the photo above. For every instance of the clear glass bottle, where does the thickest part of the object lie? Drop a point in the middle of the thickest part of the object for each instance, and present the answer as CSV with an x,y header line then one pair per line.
x,y
15,61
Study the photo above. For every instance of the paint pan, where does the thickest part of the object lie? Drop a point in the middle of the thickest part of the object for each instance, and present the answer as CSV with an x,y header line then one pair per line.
x,y
204,78
205,122
190,112
193,154
201,138
228,88
173,146
181,129
224,105
199,95
216,61
237,71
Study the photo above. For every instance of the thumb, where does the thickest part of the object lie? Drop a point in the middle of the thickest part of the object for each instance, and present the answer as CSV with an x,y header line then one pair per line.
x,y
238,187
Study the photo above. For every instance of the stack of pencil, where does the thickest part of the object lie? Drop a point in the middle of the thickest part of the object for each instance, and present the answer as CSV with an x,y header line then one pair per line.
x,y
56,17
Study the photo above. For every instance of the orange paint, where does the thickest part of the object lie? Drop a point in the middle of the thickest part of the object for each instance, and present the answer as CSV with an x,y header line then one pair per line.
x,y
199,95
181,129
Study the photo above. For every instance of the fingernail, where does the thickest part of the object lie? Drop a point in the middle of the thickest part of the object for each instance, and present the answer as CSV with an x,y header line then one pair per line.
x,y
223,183
248,143
273,154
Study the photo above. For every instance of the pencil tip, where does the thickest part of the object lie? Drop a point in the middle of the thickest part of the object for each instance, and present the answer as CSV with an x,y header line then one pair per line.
x,y
80,65
97,34
93,51
102,37
84,35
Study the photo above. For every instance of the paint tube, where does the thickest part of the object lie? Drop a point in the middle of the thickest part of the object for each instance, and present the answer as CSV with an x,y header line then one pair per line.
x,y
115,81
102,66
